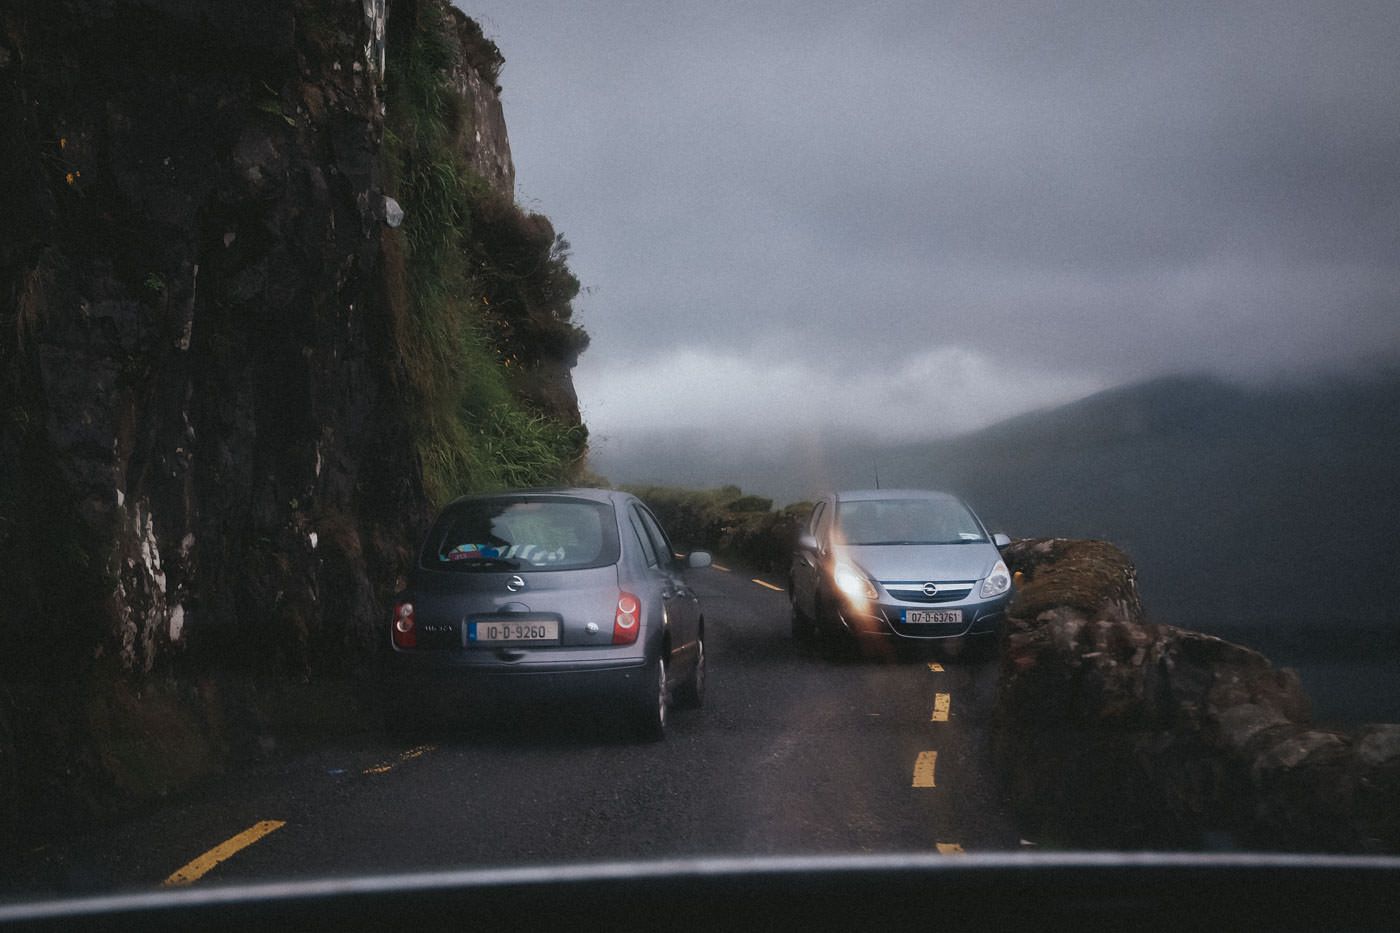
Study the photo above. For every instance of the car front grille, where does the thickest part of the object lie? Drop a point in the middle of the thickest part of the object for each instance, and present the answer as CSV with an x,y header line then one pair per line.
x,y
913,591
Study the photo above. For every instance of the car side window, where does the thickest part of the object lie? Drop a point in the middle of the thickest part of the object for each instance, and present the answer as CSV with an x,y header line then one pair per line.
x,y
659,539
643,539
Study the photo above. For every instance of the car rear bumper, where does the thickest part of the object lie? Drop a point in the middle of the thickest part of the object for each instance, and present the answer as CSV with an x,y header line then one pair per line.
x,y
463,678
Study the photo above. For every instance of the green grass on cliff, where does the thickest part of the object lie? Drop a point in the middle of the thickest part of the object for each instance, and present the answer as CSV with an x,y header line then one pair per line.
x,y
473,332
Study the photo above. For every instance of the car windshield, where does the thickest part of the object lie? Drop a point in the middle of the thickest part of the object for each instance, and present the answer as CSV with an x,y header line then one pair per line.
x,y
443,434
522,534
906,521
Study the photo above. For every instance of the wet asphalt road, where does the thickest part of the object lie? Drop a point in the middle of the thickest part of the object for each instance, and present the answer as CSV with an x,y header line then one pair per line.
x,y
793,753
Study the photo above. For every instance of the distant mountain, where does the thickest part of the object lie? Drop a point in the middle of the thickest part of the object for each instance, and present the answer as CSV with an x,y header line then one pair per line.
x,y
1243,507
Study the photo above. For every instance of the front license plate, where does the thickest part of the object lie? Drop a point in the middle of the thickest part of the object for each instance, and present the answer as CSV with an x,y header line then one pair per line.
x,y
521,632
933,616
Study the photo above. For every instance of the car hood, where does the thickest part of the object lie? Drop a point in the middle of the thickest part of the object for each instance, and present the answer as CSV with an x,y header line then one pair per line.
x,y
921,562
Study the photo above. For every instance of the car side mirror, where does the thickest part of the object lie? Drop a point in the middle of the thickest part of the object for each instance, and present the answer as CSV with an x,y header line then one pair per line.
x,y
1001,540
697,559
807,542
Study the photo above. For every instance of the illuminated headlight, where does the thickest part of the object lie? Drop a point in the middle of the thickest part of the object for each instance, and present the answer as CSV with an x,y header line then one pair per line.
x,y
997,582
853,583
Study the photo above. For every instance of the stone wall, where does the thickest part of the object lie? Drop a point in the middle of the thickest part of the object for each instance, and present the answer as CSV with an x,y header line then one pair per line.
x,y
1117,733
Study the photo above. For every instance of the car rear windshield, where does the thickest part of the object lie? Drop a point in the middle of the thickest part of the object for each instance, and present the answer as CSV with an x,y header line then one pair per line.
x,y
522,534
907,521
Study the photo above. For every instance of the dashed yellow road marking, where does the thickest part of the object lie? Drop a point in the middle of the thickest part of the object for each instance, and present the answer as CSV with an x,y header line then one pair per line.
x,y
923,769
950,848
936,668
720,567
409,755
941,702
201,866
768,585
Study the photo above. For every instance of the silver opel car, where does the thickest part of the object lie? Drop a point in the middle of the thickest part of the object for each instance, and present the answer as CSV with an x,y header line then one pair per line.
x,y
897,564
560,593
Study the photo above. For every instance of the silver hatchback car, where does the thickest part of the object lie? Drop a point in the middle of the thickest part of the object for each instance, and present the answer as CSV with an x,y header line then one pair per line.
x,y
558,593
897,564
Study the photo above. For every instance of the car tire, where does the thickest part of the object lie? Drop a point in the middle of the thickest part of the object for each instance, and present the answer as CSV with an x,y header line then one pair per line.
x,y
691,694
801,625
653,705
835,642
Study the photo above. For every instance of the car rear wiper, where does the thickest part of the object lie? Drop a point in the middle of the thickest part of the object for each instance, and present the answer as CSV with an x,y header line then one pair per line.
x,y
505,563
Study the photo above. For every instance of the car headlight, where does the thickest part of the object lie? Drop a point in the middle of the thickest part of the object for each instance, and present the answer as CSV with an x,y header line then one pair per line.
x,y
853,583
997,582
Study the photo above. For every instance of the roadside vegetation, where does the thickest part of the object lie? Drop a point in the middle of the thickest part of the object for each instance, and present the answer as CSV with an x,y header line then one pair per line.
x,y
485,290
743,528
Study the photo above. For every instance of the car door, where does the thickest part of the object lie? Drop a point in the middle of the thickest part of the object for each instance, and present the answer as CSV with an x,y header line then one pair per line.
x,y
658,581
682,605
643,546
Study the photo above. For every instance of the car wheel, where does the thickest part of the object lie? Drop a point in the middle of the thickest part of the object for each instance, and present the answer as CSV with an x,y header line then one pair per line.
x,y
654,704
801,625
691,694
834,642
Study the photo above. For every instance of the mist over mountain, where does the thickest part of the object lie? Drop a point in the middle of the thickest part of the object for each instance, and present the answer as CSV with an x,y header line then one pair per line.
x,y
1266,508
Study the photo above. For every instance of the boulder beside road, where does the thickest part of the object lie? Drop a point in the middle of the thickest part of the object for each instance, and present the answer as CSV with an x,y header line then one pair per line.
x,y
1115,732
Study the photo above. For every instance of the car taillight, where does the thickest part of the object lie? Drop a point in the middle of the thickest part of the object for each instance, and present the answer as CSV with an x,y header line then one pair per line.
x,y
405,633
628,621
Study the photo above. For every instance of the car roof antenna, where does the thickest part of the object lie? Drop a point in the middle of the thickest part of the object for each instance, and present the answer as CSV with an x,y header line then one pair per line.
x,y
876,464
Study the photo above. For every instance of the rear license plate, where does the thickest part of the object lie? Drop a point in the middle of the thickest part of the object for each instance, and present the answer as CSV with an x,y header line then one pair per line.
x,y
933,616
513,632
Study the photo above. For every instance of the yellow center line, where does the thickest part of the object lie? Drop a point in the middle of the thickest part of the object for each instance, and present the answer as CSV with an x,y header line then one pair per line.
x,y
225,850
923,769
720,567
941,702
936,668
387,766
949,848
770,586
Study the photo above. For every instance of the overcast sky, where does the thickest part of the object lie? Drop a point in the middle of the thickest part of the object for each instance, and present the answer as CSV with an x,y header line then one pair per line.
x,y
941,214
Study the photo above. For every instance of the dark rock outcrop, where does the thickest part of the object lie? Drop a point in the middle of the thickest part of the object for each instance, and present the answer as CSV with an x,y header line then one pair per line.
x,y
206,458
1118,733
473,75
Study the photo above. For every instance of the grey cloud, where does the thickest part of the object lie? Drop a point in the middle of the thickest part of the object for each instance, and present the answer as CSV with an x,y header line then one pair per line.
x,y
1124,188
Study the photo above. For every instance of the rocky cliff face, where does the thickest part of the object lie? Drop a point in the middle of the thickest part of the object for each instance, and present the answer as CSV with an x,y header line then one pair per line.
x,y
473,75
206,455
1118,733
